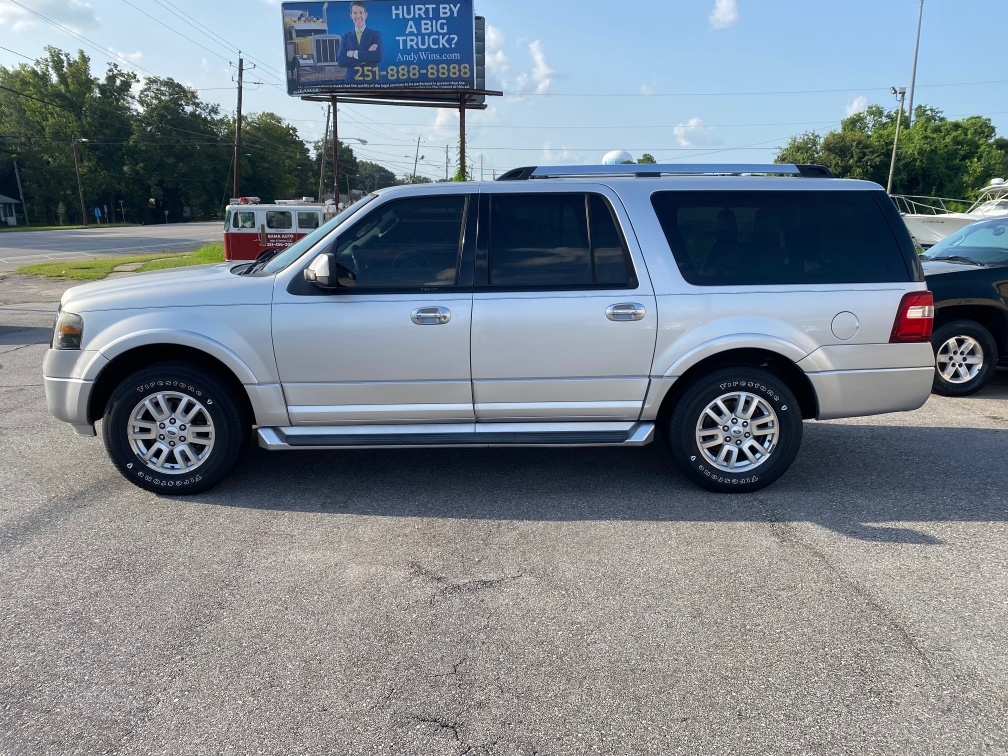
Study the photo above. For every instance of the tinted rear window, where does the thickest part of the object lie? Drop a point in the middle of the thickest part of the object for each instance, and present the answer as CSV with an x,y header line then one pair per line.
x,y
558,241
779,237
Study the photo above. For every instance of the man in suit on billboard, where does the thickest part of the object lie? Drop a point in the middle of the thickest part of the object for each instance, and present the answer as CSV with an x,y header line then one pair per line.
x,y
362,46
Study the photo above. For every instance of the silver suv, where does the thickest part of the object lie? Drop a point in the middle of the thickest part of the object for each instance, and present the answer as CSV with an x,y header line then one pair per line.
x,y
564,306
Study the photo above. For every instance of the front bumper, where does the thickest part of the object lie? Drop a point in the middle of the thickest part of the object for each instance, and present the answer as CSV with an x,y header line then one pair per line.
x,y
65,374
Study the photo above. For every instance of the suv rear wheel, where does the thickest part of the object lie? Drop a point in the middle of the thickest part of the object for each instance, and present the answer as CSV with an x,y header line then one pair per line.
x,y
965,357
736,429
173,428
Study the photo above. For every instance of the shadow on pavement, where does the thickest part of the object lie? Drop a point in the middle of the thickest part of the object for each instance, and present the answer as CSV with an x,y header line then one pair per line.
x,y
859,480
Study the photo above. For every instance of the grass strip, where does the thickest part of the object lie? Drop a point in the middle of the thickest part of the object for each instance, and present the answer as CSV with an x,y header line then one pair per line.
x,y
100,267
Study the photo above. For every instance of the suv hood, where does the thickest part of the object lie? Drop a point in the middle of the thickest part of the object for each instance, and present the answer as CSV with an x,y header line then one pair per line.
x,y
177,287
936,267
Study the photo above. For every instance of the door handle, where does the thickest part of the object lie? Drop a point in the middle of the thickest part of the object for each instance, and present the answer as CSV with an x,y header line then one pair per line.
x,y
431,315
625,311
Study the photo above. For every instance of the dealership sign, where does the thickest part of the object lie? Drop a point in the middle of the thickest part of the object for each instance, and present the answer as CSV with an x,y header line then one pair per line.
x,y
378,45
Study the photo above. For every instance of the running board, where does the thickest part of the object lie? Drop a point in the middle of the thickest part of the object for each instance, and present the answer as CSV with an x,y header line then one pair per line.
x,y
457,435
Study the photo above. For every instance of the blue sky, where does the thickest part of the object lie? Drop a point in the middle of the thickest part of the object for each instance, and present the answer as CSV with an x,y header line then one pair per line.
x,y
705,80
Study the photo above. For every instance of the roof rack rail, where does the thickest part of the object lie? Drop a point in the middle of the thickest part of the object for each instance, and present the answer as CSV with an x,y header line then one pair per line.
x,y
653,170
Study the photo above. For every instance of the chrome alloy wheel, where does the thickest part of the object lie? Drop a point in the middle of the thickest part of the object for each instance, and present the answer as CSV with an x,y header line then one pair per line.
x,y
737,432
171,432
959,359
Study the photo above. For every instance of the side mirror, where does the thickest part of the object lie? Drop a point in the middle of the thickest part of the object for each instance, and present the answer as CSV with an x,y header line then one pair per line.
x,y
326,273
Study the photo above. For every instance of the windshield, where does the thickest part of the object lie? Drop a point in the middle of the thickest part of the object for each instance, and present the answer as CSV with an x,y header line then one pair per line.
x,y
985,243
298,248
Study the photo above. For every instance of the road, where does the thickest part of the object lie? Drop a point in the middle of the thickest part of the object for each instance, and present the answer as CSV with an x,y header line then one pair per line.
x,y
504,601
19,248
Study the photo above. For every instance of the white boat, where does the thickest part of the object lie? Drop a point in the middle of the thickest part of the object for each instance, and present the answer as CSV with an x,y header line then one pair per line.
x,y
929,219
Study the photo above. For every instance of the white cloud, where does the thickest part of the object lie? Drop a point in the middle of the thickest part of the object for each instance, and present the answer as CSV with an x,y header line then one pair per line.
x,y
557,155
694,134
496,57
725,14
541,78
856,105
443,128
73,14
649,87
132,57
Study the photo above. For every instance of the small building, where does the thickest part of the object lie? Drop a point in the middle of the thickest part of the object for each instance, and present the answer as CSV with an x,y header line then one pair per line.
x,y
7,215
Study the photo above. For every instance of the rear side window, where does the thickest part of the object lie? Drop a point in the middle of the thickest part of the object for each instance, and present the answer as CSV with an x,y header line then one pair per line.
x,y
556,241
279,219
307,220
776,237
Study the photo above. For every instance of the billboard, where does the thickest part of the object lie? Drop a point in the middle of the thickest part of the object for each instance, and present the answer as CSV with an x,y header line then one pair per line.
x,y
378,45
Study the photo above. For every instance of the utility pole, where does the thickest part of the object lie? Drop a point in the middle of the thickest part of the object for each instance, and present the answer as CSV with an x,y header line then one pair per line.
x,y
237,150
325,141
913,73
21,192
446,162
481,167
416,159
80,191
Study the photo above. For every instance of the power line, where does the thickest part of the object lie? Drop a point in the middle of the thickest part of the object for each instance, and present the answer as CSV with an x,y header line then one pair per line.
x,y
162,23
15,52
31,97
216,38
84,39
747,93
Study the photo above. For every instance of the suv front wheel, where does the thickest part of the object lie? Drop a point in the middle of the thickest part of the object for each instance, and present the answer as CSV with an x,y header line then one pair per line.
x,y
173,428
736,429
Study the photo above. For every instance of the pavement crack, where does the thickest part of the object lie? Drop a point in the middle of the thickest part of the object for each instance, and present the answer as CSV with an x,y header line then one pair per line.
x,y
455,670
440,726
22,346
787,535
459,587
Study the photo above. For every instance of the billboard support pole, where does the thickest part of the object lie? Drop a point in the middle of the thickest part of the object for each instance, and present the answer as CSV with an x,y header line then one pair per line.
x,y
462,134
335,152
325,142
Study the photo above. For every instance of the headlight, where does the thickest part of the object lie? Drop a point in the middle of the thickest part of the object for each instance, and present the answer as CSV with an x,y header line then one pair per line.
x,y
68,331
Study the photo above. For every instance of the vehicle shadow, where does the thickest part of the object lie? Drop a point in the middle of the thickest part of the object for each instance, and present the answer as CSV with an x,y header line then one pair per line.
x,y
18,335
860,480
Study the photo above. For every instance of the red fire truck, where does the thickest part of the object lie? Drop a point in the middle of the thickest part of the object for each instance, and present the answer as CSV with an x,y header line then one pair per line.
x,y
251,226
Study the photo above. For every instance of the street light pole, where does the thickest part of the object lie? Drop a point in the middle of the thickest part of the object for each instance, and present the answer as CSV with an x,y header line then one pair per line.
x,y
913,73
901,92
80,190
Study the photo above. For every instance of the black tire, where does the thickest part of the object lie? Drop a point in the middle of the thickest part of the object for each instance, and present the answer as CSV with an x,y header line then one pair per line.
x,y
747,394
965,358
183,461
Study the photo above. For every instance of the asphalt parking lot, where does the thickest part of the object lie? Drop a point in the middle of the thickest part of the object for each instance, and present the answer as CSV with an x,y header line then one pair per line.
x,y
503,602
18,248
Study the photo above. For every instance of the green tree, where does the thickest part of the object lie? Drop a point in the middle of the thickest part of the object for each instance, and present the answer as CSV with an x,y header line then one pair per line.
x,y
372,176
275,160
53,105
182,153
936,156
646,159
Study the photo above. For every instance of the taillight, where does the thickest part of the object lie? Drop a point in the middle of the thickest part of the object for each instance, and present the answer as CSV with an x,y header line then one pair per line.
x,y
915,318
